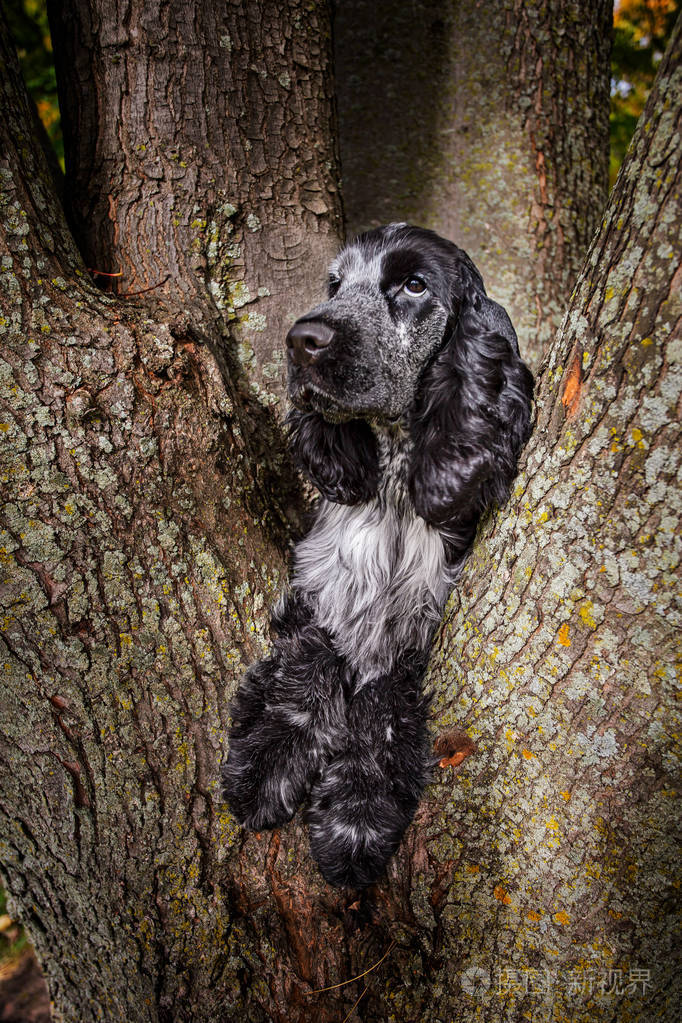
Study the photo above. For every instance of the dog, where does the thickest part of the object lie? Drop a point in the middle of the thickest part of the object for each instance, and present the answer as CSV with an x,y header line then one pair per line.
x,y
411,405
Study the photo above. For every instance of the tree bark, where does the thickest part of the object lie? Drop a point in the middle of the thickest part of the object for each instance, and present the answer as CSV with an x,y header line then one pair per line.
x,y
201,159
141,546
564,838
490,125
147,505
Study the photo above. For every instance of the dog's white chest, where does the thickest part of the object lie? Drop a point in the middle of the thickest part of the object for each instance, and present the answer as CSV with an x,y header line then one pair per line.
x,y
377,575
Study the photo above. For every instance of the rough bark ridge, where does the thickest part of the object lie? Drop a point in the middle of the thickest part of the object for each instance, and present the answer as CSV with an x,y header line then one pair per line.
x,y
190,168
491,127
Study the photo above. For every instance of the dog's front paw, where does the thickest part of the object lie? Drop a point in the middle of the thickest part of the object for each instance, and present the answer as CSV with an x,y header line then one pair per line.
x,y
270,764
266,777
368,792
288,717
279,739
356,819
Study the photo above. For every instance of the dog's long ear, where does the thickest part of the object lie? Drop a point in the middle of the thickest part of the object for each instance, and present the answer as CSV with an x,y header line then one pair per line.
x,y
472,414
341,459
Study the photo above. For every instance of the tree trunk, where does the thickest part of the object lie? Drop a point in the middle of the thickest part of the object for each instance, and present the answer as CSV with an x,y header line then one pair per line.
x,y
201,160
490,124
148,498
144,530
563,836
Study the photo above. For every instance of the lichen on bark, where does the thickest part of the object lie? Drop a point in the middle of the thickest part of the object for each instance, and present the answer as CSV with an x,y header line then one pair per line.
x,y
563,634
187,135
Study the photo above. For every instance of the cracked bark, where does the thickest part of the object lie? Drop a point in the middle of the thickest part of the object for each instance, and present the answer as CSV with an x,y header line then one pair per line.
x,y
190,165
491,126
144,518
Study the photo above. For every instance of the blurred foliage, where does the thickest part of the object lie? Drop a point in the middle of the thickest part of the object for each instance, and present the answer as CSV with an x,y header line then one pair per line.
x,y
29,26
12,935
641,30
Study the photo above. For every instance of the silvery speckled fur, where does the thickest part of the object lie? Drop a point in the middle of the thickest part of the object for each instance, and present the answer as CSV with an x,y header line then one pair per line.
x,y
376,571
411,406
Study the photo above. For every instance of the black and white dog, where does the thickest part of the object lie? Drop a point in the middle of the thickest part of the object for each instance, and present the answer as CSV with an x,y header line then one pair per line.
x,y
411,406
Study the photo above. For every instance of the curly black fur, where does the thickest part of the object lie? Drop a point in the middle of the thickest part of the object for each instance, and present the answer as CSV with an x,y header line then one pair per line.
x,y
340,458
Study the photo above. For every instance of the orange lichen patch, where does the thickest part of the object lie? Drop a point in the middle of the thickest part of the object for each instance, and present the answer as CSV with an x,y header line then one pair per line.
x,y
454,761
563,635
572,387
453,747
527,754
501,895
472,868
561,918
532,915
565,795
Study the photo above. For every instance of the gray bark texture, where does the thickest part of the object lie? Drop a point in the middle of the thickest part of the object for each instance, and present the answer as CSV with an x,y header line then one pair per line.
x,y
147,503
489,123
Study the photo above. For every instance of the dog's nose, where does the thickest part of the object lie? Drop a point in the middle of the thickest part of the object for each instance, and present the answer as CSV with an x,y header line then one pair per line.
x,y
306,340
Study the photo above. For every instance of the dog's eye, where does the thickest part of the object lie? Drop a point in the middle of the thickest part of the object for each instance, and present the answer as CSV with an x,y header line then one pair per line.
x,y
414,286
334,285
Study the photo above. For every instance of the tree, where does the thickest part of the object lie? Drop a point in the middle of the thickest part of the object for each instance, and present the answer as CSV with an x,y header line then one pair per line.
x,y
495,132
148,507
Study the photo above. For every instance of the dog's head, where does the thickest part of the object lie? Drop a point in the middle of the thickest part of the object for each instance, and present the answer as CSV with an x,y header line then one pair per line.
x,y
408,335
392,294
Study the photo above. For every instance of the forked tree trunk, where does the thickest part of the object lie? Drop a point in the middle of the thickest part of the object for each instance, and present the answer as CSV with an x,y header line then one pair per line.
x,y
143,538
488,122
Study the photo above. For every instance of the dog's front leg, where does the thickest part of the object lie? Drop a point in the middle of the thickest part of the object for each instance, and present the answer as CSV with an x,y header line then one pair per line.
x,y
368,792
288,718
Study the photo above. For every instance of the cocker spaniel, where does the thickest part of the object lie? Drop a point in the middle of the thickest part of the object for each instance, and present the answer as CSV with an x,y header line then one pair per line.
x,y
411,406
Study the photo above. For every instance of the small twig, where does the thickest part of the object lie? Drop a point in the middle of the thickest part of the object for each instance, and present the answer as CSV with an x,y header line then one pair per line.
x,y
343,983
133,294
119,273
354,1007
